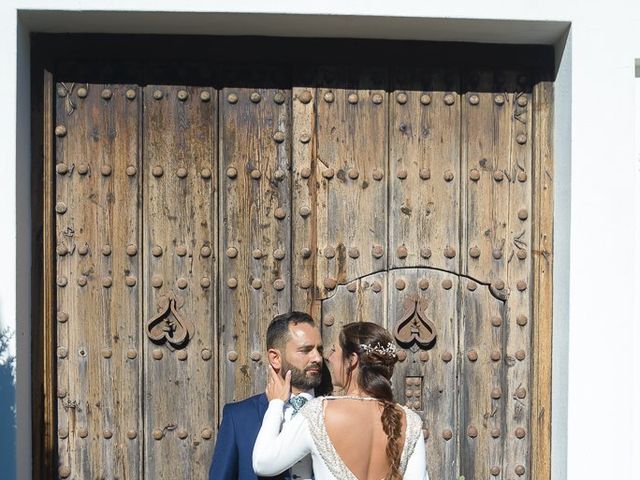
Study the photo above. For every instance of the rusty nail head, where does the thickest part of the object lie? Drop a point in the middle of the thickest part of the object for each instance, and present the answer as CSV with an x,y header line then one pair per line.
x,y
305,96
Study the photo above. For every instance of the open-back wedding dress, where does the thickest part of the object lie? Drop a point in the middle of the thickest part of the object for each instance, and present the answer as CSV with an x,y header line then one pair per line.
x,y
305,434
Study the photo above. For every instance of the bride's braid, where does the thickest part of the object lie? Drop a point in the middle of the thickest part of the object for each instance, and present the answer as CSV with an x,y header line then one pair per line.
x,y
374,346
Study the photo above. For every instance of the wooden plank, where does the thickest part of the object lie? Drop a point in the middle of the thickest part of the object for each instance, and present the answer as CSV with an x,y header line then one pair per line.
x,y
43,354
304,200
179,256
487,135
518,355
496,135
542,252
426,379
98,385
482,392
351,168
424,169
255,242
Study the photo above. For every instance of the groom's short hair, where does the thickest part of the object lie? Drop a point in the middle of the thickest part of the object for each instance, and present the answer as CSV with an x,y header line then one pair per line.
x,y
278,330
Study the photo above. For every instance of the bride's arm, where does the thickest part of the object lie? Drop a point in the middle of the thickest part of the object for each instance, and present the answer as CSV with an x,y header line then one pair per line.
x,y
417,464
276,450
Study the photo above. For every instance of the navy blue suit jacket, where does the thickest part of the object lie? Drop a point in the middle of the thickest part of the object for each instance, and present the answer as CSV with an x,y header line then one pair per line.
x,y
239,429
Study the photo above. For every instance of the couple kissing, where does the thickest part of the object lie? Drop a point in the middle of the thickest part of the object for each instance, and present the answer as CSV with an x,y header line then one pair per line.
x,y
290,433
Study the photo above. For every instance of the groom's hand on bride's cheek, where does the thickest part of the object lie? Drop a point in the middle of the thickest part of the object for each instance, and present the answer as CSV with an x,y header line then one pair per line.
x,y
278,387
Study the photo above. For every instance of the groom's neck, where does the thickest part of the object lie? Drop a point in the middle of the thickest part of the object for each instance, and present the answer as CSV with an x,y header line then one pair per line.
x,y
298,391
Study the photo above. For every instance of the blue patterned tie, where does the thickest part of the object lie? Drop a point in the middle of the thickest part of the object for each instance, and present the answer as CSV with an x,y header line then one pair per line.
x,y
297,403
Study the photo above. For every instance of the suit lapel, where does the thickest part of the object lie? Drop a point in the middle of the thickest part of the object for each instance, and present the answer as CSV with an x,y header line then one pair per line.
x,y
262,407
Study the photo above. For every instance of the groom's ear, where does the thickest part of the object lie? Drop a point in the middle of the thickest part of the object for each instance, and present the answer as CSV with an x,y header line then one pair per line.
x,y
275,358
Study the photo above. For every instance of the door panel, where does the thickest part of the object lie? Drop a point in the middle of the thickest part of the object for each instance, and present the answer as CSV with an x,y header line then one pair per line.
x,y
497,153
255,245
180,228
482,380
426,380
98,277
351,174
424,169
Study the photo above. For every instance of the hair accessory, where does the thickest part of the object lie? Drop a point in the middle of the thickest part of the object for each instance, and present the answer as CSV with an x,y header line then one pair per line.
x,y
390,350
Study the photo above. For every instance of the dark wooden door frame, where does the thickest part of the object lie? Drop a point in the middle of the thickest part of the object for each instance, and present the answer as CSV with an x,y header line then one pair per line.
x,y
185,59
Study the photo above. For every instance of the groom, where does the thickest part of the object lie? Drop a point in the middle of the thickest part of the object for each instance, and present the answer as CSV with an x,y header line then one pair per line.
x,y
293,343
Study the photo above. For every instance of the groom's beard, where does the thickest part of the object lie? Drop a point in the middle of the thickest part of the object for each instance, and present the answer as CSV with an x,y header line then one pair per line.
x,y
303,379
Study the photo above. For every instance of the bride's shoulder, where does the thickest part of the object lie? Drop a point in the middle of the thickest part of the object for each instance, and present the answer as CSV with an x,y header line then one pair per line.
x,y
313,405
316,400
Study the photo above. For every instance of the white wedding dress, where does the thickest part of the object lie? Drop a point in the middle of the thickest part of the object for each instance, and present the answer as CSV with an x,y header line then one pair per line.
x,y
305,434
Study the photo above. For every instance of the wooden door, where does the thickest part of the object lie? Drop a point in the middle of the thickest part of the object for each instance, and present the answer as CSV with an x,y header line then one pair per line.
x,y
136,273
188,216
424,225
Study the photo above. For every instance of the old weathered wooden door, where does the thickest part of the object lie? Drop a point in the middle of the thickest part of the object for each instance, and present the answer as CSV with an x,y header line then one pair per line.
x,y
423,223
186,217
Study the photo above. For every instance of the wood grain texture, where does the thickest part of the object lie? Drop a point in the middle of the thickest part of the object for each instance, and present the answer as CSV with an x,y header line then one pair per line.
x,y
517,452
363,300
255,244
542,294
44,434
424,169
99,387
496,133
454,163
487,136
351,151
482,388
435,399
304,214
180,231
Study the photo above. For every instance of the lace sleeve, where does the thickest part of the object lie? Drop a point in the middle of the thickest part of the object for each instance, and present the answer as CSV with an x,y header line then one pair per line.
x,y
276,450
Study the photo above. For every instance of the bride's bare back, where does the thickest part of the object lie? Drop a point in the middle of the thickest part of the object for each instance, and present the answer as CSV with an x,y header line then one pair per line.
x,y
355,430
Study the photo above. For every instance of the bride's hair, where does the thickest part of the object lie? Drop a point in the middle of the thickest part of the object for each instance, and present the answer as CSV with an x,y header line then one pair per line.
x,y
376,357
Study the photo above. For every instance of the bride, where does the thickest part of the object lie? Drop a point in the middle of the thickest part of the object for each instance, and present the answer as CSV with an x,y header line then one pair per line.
x,y
362,435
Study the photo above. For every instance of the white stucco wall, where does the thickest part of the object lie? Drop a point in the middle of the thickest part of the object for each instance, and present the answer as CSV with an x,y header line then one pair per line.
x,y
597,175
